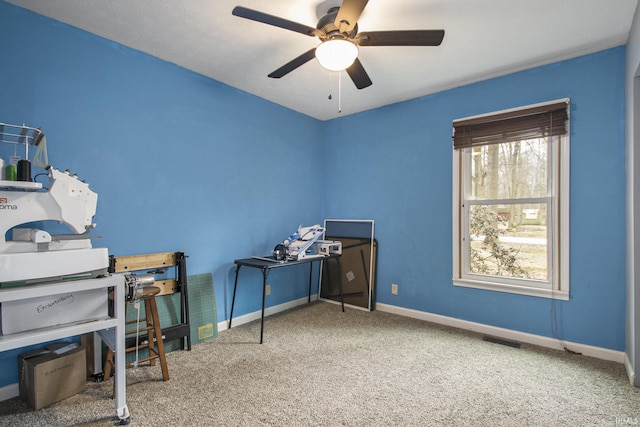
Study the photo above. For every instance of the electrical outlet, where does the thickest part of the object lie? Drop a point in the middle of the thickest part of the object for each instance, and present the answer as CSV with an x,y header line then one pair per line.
x,y
394,289
268,289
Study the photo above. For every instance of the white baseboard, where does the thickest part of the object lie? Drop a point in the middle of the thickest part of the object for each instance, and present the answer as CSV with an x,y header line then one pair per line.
x,y
509,334
250,317
523,337
9,392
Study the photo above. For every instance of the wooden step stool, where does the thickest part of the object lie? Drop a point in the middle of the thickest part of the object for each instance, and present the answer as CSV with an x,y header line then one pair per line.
x,y
154,342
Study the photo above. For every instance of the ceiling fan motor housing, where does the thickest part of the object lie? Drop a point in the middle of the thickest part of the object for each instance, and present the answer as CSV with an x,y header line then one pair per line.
x,y
327,25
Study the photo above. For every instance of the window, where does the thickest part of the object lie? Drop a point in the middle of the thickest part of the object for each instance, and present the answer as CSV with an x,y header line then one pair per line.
x,y
511,201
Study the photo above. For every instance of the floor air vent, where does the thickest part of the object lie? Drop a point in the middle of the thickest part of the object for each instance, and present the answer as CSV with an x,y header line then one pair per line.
x,y
501,341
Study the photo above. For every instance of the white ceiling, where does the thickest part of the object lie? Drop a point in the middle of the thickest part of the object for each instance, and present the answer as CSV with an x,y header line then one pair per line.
x,y
483,39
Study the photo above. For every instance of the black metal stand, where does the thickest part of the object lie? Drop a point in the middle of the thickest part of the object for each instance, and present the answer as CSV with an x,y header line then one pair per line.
x,y
130,264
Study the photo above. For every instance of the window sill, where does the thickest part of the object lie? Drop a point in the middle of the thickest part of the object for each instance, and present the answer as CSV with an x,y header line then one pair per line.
x,y
513,289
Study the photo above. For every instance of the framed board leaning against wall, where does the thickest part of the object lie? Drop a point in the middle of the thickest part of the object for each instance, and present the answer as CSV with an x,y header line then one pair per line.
x,y
358,260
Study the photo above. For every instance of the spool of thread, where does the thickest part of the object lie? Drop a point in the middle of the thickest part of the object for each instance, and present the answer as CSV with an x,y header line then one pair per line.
x,y
11,172
24,170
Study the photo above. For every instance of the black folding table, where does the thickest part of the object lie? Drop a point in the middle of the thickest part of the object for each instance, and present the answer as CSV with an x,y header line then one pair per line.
x,y
266,264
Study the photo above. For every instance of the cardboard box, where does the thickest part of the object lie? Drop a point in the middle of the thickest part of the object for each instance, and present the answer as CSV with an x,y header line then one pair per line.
x,y
52,373
53,310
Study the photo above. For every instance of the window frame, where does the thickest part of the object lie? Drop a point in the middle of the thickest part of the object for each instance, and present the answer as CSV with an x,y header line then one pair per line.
x,y
558,228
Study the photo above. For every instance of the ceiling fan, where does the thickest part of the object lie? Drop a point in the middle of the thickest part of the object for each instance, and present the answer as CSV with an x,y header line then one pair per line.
x,y
338,32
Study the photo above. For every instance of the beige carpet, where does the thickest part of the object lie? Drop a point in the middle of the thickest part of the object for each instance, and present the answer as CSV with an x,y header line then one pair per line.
x,y
321,367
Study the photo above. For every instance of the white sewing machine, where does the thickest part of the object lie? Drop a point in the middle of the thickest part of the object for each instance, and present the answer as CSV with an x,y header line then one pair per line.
x,y
36,254
306,243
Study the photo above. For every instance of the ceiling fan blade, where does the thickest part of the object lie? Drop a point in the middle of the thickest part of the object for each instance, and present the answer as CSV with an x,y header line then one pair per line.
x,y
349,13
359,75
400,38
276,21
293,64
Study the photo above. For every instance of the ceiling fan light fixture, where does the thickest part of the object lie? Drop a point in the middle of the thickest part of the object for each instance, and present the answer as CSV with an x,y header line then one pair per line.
x,y
337,54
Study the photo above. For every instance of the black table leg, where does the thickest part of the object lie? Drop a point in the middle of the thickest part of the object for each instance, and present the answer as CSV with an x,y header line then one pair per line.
x,y
340,282
265,273
233,299
310,276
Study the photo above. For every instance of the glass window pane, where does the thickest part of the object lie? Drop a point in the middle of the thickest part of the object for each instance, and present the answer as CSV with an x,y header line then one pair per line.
x,y
509,241
510,170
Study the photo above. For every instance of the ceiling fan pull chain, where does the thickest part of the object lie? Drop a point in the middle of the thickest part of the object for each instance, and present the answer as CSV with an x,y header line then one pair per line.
x,y
339,91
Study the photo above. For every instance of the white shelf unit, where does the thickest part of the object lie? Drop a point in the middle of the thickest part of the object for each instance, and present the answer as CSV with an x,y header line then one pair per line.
x,y
111,329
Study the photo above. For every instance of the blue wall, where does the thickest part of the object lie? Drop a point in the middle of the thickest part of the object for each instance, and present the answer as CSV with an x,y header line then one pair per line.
x,y
181,162
394,165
